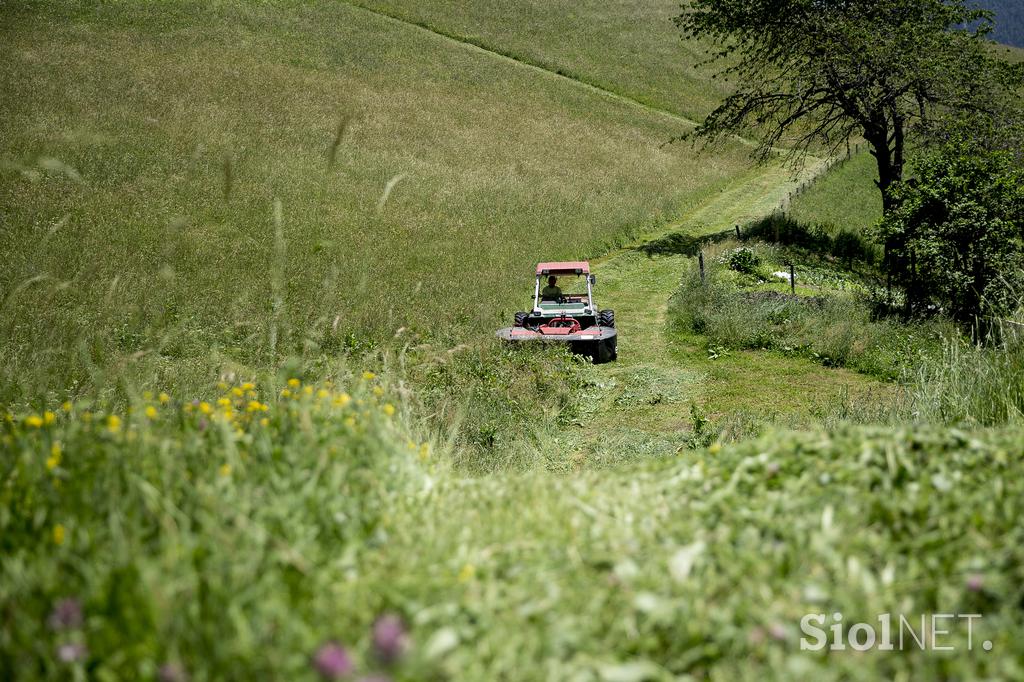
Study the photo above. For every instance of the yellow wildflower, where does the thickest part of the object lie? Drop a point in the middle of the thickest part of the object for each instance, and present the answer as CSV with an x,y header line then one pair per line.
x,y
425,451
342,399
369,376
322,393
350,422
378,391
150,411
204,407
49,417
256,406
467,573
224,402
294,383
34,420
238,391
264,422
53,461
147,395
66,406
113,423
715,448
388,409
222,386
285,393
164,398
87,416
308,390
225,470
248,386
58,534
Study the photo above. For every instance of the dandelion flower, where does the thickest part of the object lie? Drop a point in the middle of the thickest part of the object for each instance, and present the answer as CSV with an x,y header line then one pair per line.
x,y
248,386
237,391
150,412
307,390
164,398
425,451
378,391
34,420
58,534
294,383
342,399
388,409
264,422
49,417
369,376
285,393
225,470
113,423
66,406
53,461
715,448
147,395
204,407
224,402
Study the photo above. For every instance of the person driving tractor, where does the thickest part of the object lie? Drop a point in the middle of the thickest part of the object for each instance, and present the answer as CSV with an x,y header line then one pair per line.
x,y
552,292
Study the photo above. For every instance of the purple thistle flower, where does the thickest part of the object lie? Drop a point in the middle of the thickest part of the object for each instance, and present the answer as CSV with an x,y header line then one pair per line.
x,y
66,615
332,661
389,638
172,672
975,582
72,652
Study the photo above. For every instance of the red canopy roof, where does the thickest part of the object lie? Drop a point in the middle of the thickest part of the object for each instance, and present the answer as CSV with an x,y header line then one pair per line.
x,y
580,267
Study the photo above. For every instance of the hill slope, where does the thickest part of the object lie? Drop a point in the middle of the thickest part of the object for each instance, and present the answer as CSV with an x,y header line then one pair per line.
x,y
181,123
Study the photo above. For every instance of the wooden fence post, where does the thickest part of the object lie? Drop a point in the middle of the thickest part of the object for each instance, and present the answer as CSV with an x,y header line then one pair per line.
x,y
700,259
792,279
737,232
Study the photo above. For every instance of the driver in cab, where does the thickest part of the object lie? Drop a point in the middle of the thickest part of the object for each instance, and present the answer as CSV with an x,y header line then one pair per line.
x,y
552,292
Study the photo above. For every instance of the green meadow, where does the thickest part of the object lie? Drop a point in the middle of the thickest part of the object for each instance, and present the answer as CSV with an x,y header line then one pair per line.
x,y
254,423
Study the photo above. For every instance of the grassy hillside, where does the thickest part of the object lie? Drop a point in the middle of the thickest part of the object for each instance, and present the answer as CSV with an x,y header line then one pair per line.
x,y
629,47
144,148
846,198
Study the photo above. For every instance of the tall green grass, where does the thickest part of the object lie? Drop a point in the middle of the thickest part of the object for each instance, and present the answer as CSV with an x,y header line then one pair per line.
x,y
831,321
143,146
975,383
193,540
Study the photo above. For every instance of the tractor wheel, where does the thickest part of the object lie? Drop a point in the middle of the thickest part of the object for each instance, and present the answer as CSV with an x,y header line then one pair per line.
x,y
605,352
606,318
521,319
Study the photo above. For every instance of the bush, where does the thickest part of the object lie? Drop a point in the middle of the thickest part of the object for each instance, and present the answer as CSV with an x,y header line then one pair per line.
x,y
839,330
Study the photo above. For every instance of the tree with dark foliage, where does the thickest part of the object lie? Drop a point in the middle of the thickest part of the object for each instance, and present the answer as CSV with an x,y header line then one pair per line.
x,y
812,74
958,230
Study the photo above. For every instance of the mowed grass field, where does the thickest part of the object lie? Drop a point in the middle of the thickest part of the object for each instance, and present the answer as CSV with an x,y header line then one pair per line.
x,y
144,146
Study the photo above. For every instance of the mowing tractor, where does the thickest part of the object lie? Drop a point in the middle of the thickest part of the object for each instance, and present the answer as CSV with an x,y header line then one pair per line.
x,y
559,317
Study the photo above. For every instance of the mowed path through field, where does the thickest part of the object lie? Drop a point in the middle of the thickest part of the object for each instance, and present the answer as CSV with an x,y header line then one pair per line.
x,y
639,406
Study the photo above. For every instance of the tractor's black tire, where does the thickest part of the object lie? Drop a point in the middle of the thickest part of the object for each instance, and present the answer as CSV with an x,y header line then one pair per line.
x,y
521,319
606,318
605,351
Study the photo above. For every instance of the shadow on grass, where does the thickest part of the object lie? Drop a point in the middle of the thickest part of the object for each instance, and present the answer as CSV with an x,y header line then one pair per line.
x,y
680,243
844,245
